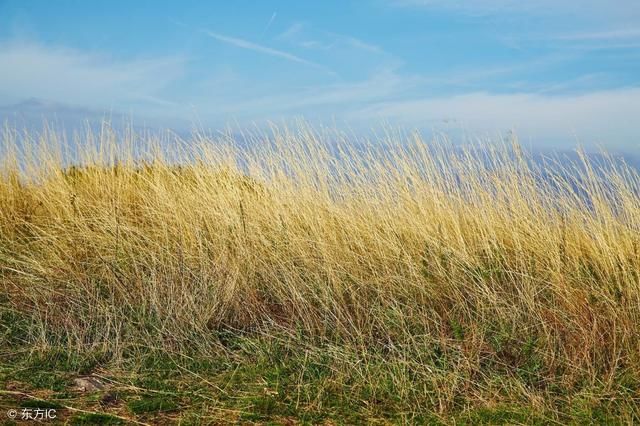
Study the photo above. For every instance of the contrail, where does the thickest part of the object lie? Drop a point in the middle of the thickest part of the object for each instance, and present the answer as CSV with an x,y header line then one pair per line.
x,y
273,18
244,44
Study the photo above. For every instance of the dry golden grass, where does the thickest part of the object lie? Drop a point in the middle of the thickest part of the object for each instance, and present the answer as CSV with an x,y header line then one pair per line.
x,y
477,271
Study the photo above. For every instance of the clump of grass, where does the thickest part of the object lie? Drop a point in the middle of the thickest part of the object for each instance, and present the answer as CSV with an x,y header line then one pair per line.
x,y
152,404
400,277
95,419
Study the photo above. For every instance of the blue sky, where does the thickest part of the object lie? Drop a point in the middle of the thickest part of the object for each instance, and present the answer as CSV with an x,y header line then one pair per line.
x,y
556,72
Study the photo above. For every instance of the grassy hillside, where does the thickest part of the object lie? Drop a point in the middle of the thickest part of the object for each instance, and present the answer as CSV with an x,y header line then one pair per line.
x,y
302,278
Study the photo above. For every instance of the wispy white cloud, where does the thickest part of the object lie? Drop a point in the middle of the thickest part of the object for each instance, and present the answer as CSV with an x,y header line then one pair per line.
x,y
291,31
32,70
315,44
299,34
357,43
337,97
248,45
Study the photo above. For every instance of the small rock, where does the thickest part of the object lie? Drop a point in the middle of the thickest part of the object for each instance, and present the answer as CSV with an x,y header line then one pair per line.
x,y
88,384
109,398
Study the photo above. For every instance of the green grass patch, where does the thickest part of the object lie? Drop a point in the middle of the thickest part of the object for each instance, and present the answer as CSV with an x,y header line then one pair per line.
x,y
39,403
95,419
502,416
270,378
152,404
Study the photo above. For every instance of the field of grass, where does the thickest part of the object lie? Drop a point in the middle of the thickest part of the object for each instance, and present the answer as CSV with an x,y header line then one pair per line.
x,y
306,278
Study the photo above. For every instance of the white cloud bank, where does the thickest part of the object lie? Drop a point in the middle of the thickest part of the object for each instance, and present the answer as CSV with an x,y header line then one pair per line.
x,y
607,117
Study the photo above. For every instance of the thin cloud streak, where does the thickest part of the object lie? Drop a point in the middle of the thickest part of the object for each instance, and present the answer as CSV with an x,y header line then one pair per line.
x,y
248,45
358,43
273,18
293,30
